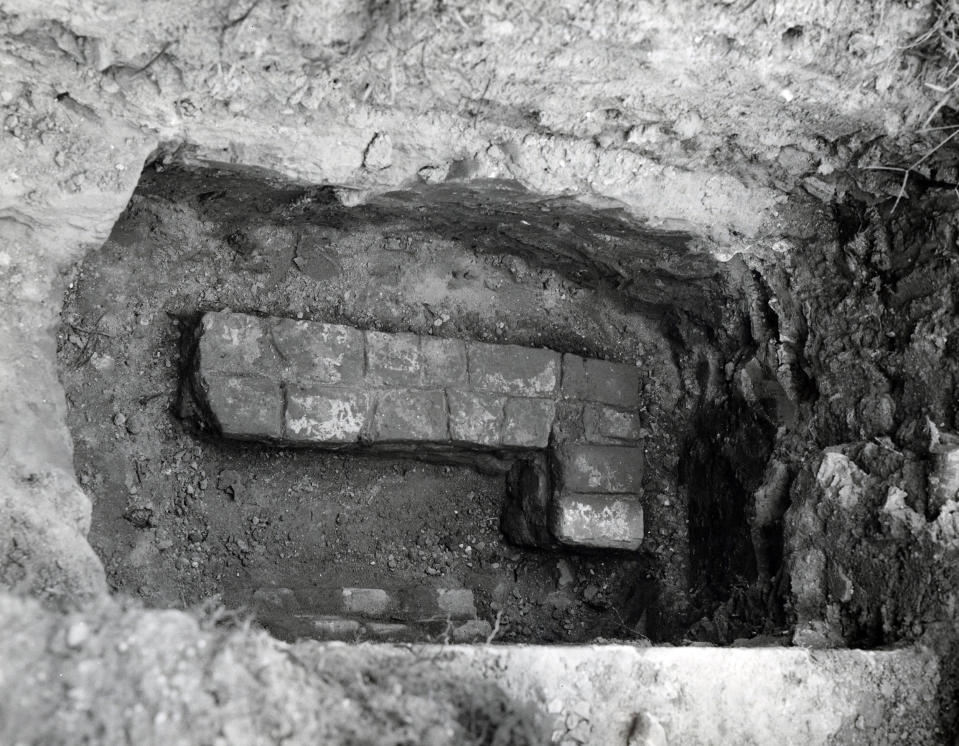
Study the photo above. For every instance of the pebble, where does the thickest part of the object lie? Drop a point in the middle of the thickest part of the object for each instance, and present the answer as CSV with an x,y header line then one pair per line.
x,y
77,634
119,419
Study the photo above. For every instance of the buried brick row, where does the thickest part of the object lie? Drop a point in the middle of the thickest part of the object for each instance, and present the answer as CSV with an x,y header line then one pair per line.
x,y
306,383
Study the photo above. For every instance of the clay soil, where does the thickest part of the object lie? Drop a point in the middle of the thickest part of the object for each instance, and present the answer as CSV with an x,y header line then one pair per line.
x,y
182,517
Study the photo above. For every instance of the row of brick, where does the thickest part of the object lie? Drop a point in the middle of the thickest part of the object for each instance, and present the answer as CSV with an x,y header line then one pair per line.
x,y
257,408
319,353
257,379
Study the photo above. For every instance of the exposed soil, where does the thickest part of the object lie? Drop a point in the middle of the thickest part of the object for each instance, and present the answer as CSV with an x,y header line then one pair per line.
x,y
180,517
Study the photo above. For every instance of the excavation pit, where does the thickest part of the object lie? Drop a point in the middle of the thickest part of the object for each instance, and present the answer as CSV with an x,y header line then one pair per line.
x,y
450,389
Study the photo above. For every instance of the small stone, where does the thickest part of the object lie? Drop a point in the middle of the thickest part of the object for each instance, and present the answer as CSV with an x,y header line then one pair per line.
x,y
566,576
77,634
119,419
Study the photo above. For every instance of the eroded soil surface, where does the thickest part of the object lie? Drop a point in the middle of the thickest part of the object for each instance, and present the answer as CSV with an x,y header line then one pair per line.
x,y
180,518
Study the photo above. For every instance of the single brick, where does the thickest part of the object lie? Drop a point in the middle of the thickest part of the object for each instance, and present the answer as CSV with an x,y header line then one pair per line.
x,y
511,369
476,418
472,631
456,603
600,521
244,408
596,468
335,627
369,602
444,362
324,414
603,422
236,343
528,422
403,415
393,359
613,383
319,353
575,384
274,601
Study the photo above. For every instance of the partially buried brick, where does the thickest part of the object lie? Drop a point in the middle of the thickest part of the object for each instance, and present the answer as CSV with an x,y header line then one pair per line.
x,y
326,415
613,383
511,369
393,359
602,422
598,521
368,602
476,418
403,415
243,408
321,353
599,468
235,343
528,422
456,603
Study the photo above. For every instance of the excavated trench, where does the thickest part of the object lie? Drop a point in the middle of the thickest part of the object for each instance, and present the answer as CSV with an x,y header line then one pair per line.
x,y
355,539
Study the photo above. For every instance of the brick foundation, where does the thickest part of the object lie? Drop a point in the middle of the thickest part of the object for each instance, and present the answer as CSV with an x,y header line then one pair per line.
x,y
308,383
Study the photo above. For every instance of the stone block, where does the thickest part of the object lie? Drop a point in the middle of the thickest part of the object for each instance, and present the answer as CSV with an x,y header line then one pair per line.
x,y
511,369
444,363
236,343
368,602
393,359
244,408
456,603
602,423
599,468
324,414
613,383
315,352
403,415
476,418
528,422
598,521
575,384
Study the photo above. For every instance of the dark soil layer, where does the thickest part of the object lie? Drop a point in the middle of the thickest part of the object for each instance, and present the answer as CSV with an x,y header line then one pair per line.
x,y
179,517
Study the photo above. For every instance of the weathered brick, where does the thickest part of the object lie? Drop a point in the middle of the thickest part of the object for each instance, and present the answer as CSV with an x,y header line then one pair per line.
x,y
403,415
511,369
600,381
444,363
600,468
613,383
244,408
368,602
315,352
274,601
326,415
602,422
600,521
393,359
456,603
528,422
476,418
335,627
236,343
575,383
